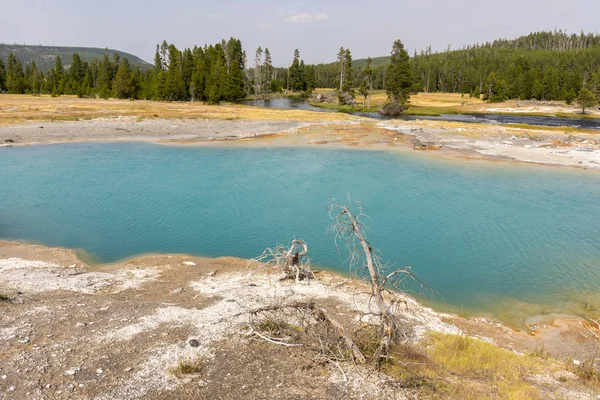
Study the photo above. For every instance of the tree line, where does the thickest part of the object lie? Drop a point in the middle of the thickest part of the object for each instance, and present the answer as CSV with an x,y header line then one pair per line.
x,y
210,73
542,66
538,66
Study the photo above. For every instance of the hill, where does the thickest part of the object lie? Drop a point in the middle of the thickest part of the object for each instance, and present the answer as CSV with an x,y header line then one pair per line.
x,y
45,56
377,61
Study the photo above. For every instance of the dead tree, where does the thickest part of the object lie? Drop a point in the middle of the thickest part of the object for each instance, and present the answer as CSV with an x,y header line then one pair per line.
x,y
291,260
364,262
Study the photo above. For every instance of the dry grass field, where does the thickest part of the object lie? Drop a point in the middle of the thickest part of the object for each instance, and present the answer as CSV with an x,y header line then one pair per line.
x,y
16,109
456,103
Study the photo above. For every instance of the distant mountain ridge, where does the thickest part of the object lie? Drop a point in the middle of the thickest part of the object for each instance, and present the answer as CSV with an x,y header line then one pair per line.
x,y
558,40
45,56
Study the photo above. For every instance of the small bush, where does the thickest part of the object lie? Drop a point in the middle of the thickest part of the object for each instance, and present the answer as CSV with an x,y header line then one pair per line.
x,y
540,352
586,372
392,109
187,367
5,297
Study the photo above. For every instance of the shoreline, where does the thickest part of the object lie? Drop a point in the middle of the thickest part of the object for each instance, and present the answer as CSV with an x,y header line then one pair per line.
x,y
120,330
527,325
456,140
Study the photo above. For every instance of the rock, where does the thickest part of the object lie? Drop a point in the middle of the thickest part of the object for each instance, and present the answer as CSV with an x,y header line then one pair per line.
x,y
24,340
12,388
176,291
99,371
81,324
73,371
3,377
419,145
128,369
193,343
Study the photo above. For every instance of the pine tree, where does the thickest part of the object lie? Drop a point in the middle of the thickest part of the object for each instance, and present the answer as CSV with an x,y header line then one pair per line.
x,y
235,86
295,75
366,82
399,79
268,71
345,92
537,90
58,87
87,86
349,81
123,87
214,83
551,84
32,79
14,76
586,99
570,96
2,77
309,79
175,86
198,83
258,71
496,89
158,79
104,81
235,83
77,73
187,69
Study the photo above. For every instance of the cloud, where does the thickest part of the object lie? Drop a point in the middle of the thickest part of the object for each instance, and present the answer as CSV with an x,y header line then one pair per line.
x,y
306,17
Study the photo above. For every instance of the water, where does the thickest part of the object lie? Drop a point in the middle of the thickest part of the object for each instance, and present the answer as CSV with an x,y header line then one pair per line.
x,y
510,240
297,104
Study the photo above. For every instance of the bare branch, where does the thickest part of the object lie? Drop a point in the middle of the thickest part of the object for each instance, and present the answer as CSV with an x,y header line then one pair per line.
x,y
291,260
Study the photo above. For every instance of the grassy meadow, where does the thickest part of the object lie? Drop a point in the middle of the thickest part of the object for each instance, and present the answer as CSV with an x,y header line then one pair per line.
x,y
15,109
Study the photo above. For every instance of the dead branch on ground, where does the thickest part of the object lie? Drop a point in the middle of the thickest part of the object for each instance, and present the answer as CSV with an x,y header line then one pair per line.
x,y
291,260
319,316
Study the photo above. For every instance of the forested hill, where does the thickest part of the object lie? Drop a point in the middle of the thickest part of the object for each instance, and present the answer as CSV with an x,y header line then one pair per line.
x,y
45,56
542,65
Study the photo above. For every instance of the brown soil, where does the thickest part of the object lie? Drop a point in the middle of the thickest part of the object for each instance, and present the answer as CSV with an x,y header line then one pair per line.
x,y
70,330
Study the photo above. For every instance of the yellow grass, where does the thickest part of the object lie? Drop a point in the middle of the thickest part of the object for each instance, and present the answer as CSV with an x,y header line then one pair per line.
x,y
455,103
23,108
472,369
379,97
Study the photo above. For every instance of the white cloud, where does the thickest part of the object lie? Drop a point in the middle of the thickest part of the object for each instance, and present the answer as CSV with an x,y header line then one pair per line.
x,y
306,17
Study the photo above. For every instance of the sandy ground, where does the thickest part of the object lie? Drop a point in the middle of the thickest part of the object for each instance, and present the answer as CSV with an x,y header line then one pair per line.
x,y
146,130
74,331
552,146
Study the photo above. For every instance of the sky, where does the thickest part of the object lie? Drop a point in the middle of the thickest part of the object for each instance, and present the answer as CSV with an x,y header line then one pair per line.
x,y
317,28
